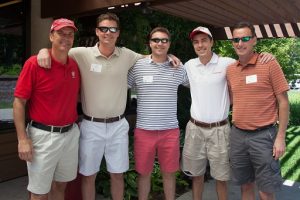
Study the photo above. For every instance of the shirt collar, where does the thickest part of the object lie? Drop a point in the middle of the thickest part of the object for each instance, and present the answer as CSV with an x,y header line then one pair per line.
x,y
169,60
214,59
251,62
97,53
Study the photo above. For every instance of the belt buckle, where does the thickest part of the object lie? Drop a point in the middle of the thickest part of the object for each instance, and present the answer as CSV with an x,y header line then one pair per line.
x,y
60,129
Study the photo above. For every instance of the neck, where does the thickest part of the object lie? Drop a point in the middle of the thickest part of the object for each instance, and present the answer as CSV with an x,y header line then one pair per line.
x,y
245,58
205,59
159,59
61,57
106,50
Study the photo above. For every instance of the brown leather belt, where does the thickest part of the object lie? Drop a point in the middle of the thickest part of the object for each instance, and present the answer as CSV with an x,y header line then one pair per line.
x,y
57,129
209,125
104,120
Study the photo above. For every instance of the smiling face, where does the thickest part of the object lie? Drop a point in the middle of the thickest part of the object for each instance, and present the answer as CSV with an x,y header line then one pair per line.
x,y
62,39
202,44
107,38
159,44
243,48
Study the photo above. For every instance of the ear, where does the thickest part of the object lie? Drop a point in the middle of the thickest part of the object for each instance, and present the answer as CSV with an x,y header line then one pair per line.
x,y
254,40
51,37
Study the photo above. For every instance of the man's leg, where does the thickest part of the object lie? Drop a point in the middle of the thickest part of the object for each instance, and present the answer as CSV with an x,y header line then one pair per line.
x,y
38,196
169,183
248,191
198,185
144,185
57,191
221,187
117,186
88,187
266,196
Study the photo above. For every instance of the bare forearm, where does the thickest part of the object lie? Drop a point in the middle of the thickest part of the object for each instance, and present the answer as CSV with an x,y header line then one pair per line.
x,y
19,118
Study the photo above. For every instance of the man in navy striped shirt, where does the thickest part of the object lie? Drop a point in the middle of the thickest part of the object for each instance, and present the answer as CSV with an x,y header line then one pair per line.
x,y
156,83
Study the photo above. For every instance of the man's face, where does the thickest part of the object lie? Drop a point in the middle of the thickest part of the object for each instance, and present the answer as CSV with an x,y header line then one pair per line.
x,y
159,44
202,45
108,32
62,39
243,48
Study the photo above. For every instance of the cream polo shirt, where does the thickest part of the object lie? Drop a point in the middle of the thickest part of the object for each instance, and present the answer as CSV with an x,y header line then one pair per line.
x,y
103,80
209,91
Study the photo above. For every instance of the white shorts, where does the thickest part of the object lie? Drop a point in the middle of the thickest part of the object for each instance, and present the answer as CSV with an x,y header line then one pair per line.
x,y
108,139
55,158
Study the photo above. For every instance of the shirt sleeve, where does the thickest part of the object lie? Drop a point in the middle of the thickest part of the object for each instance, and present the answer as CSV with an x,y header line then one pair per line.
x,y
130,78
277,78
26,80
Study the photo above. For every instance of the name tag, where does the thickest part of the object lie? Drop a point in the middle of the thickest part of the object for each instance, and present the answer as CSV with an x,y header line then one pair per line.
x,y
147,79
251,79
96,68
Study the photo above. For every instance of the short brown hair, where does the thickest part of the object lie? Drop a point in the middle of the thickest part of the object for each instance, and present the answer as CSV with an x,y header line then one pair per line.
x,y
245,25
108,16
160,29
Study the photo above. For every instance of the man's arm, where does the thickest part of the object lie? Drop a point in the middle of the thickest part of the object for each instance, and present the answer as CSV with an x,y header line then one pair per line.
x,y
44,59
266,57
25,147
279,144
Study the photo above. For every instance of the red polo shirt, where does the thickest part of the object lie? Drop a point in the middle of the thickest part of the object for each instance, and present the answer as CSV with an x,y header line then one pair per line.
x,y
52,94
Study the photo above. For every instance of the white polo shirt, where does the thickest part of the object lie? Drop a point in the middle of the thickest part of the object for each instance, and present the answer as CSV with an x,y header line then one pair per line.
x,y
209,91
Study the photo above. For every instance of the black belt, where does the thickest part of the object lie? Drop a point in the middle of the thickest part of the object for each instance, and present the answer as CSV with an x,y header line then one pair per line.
x,y
104,120
209,125
256,130
59,129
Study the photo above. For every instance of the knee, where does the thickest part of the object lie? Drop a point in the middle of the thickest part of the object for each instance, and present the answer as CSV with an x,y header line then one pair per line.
x,y
58,187
88,179
248,187
38,196
198,178
116,176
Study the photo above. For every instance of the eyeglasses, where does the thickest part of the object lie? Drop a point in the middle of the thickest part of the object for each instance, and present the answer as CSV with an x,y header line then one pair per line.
x,y
244,39
157,40
104,29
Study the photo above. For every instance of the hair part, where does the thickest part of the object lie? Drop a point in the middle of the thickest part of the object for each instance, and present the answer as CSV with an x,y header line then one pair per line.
x,y
245,25
108,16
160,29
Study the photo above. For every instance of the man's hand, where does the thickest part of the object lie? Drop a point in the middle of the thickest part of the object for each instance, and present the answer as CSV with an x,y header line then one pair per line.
x,y
278,148
175,61
44,59
266,57
25,149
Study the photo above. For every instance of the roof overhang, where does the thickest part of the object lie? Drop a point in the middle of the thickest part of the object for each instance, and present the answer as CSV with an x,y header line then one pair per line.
x,y
272,18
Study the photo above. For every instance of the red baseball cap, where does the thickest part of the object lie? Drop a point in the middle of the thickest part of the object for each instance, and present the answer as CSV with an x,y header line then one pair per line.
x,y
200,29
61,23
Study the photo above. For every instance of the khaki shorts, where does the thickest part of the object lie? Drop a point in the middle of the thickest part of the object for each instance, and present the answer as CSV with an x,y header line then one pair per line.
x,y
55,158
206,144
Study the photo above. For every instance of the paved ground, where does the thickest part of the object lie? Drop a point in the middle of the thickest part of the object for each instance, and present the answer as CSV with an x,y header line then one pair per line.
x,y
16,190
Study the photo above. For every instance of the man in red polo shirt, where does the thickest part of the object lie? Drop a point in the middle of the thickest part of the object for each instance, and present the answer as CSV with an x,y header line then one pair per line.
x,y
49,144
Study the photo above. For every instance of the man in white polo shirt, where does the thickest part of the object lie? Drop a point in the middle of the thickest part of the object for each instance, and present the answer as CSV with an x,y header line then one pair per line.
x,y
207,132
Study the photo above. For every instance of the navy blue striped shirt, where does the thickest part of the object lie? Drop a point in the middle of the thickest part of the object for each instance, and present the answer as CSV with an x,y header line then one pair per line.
x,y
156,85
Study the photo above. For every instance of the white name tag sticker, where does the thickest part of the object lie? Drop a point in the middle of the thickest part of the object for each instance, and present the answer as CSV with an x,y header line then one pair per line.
x,y
96,68
147,79
251,79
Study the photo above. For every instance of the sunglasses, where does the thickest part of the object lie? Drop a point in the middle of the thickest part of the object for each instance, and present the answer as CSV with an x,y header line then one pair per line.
x,y
243,39
104,29
157,40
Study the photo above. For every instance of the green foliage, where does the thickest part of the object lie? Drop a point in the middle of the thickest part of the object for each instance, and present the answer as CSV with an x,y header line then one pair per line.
x,y
14,69
286,51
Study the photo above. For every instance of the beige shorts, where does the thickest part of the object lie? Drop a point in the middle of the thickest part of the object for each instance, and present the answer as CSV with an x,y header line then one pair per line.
x,y
55,158
206,144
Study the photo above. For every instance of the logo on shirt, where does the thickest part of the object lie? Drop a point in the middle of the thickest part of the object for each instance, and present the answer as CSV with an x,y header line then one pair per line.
x,y
73,74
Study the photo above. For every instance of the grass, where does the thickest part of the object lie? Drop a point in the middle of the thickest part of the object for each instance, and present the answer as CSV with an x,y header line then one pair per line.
x,y
290,162
5,105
